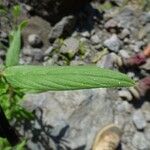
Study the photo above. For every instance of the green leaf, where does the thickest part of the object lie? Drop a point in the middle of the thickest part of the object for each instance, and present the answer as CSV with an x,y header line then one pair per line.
x,y
23,24
12,56
16,11
40,78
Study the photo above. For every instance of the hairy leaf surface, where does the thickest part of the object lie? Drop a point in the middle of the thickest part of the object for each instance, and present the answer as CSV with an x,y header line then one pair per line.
x,y
12,56
41,78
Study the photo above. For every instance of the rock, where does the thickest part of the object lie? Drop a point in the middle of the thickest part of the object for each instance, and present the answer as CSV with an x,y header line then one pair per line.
x,y
147,133
70,47
63,28
126,18
35,53
85,34
123,106
106,61
125,33
146,111
139,120
113,43
95,39
145,18
53,11
38,55
48,51
139,141
2,54
35,41
124,54
85,111
27,51
77,63
125,94
89,118
37,26
146,66
144,32
111,24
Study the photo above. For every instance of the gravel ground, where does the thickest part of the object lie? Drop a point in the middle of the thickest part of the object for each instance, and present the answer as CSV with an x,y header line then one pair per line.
x,y
103,35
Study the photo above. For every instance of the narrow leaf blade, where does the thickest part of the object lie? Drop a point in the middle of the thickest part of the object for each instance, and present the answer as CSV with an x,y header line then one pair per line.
x,y
12,56
57,78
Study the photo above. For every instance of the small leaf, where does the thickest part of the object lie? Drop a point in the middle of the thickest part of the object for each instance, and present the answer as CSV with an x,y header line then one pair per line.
x,y
16,11
40,78
12,56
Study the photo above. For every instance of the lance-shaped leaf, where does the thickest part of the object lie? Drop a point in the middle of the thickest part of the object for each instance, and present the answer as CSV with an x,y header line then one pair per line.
x,y
12,56
40,78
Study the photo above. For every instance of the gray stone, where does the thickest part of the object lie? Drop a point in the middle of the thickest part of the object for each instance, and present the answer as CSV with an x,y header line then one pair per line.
x,y
85,34
140,142
146,66
126,18
38,55
125,33
48,51
2,53
144,32
89,118
70,47
123,106
86,112
111,24
37,26
95,39
147,133
106,61
32,145
138,119
35,54
146,111
113,43
63,28
35,40
124,53
145,18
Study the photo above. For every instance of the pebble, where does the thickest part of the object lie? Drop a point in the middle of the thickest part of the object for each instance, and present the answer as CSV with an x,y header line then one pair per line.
x,y
2,53
125,94
123,106
124,54
85,34
48,51
35,41
125,33
146,66
37,55
113,43
139,119
63,28
95,39
146,111
140,142
147,133
111,24
70,47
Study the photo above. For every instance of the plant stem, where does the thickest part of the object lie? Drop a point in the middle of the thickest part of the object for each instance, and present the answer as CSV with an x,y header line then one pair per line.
x,y
6,130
